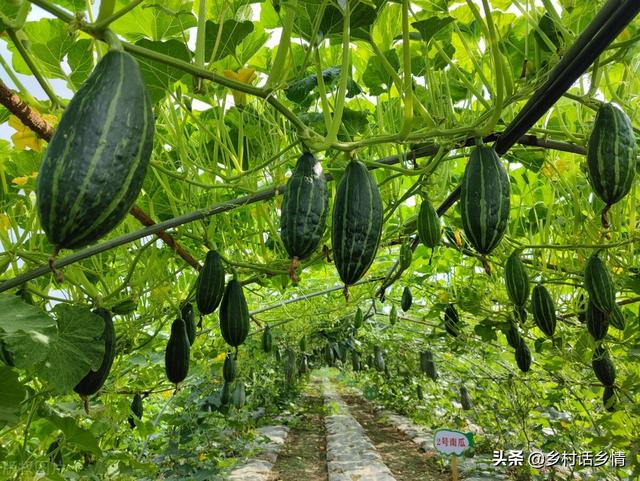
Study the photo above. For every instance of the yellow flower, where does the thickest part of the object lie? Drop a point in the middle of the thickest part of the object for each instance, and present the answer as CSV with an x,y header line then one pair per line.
x,y
244,75
5,223
220,357
202,457
25,137
24,179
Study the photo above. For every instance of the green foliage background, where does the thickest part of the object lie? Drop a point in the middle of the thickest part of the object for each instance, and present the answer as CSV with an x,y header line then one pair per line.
x,y
214,144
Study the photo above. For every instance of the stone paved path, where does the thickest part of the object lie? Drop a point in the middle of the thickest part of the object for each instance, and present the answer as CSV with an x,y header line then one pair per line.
x,y
350,454
259,468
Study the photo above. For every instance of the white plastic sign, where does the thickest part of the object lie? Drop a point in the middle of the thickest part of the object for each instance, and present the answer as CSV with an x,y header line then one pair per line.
x,y
451,442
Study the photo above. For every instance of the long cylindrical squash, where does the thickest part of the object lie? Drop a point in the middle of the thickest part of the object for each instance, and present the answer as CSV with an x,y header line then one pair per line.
x,y
465,399
393,315
210,287
597,322
238,397
517,280
406,300
513,335
137,410
176,355
356,223
603,367
97,159
451,320
267,339
616,318
189,319
229,368
234,314
305,204
94,380
378,359
484,199
544,311
406,254
523,357
611,156
599,285
429,231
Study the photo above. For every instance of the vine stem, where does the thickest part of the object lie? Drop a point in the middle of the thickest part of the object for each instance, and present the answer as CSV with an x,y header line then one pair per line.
x,y
44,83
102,23
106,9
497,65
278,68
184,66
407,119
332,134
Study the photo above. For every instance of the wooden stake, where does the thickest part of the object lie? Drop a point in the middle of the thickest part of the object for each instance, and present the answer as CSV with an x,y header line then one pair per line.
x,y
454,468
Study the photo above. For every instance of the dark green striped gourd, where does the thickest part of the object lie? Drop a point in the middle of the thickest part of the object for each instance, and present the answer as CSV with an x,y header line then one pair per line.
x,y
429,231
93,381
599,285
355,361
406,254
608,398
597,322
451,320
136,410
484,199
305,204
304,365
356,223
419,393
189,318
97,159
329,356
210,287
465,399
513,335
267,339
303,344
611,156
523,357
176,355
358,319
239,395
520,313
616,318
378,359
225,393
290,370
544,311
234,314
407,299
229,368
603,367
393,315
516,280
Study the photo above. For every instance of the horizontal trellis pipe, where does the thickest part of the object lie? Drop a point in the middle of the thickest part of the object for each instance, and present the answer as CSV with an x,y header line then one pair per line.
x,y
612,19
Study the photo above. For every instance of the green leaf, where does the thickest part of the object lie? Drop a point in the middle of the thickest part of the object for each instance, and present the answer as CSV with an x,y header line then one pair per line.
x,y
354,121
430,26
12,394
375,77
77,349
80,59
159,77
48,42
233,33
74,434
157,21
26,330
